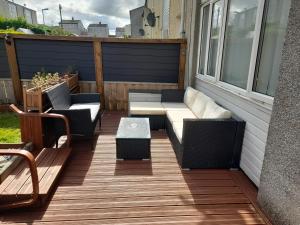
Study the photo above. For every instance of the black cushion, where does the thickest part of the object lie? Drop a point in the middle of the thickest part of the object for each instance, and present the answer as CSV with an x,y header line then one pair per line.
x,y
59,96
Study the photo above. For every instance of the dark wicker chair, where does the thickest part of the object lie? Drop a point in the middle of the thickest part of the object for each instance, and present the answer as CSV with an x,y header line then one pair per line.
x,y
82,110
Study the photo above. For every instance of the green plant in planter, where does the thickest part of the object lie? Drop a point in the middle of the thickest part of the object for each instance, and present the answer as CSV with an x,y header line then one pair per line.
x,y
45,80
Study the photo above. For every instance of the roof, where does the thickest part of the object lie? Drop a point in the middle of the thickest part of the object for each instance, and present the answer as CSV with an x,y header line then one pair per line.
x,y
70,21
98,25
120,29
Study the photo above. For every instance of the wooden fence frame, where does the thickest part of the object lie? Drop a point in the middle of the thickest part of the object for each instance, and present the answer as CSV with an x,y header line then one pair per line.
x,y
97,46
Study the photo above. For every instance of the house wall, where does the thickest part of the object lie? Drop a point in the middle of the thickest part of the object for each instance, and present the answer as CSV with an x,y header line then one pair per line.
x,y
175,18
4,8
136,21
279,193
256,114
98,31
156,6
257,119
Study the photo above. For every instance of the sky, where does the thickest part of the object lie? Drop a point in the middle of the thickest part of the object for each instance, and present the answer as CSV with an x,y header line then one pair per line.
x,y
113,12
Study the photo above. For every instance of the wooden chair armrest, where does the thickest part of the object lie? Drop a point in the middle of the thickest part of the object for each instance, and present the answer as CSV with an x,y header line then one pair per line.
x,y
34,177
46,115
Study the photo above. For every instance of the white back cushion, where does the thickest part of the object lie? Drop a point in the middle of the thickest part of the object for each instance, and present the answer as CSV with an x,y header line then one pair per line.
x,y
199,105
214,111
189,96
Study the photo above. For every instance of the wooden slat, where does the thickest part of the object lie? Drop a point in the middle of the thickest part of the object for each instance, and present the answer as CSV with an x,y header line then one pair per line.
x,y
116,93
99,71
182,60
97,189
14,69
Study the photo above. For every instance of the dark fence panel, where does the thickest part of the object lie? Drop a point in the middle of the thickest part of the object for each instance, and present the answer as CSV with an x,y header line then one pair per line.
x,y
4,67
141,62
55,56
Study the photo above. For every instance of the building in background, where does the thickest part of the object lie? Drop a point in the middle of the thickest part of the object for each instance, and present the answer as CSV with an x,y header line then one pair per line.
x,y
136,21
127,30
98,30
13,10
73,26
120,31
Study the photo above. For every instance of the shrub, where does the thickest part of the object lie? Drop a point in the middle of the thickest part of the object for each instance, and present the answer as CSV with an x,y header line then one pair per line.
x,y
10,25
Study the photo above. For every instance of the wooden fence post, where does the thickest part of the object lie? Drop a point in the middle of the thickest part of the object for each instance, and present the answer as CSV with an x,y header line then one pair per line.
x,y
14,68
99,70
182,59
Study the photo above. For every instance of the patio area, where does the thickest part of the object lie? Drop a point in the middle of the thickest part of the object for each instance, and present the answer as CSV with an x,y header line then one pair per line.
x,y
96,189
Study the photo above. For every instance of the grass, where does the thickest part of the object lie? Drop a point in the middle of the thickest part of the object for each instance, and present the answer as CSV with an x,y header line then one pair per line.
x,y
9,128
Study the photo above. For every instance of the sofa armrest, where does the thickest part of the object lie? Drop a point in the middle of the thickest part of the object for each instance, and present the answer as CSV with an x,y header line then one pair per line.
x,y
172,95
85,98
212,140
79,120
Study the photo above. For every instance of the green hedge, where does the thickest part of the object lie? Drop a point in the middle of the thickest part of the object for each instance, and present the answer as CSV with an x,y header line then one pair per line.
x,y
13,24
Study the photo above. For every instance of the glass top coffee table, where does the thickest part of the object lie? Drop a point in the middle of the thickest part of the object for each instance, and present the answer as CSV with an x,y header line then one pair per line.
x,y
133,138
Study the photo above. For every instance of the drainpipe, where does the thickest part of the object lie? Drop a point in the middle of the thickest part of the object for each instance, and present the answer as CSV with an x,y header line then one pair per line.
x,y
182,28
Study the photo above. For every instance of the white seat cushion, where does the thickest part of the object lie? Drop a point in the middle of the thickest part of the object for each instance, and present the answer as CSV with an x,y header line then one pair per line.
x,y
189,96
174,106
146,108
199,105
93,107
178,116
214,111
178,130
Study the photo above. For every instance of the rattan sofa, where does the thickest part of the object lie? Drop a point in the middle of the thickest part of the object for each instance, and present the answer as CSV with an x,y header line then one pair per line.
x,y
203,133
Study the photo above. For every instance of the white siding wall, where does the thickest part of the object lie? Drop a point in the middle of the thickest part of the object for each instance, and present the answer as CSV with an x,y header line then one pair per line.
x,y
257,119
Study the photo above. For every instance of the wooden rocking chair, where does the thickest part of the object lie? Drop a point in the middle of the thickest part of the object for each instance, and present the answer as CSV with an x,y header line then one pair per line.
x,y
31,186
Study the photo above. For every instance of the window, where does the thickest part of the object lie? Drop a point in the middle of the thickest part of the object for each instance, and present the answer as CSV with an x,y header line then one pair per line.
x,y
271,43
241,43
239,34
203,44
12,10
214,37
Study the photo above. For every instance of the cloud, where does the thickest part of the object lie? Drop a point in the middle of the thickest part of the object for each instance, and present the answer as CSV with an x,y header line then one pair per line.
x,y
117,8
113,12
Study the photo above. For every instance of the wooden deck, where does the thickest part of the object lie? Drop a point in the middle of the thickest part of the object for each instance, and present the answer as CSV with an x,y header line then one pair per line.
x,y
97,189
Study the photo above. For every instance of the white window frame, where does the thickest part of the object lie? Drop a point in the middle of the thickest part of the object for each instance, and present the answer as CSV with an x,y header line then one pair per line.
x,y
216,79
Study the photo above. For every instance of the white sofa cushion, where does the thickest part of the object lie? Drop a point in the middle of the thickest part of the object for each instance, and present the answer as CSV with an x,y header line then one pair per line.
x,y
178,116
199,105
178,130
174,106
214,111
93,107
189,96
146,108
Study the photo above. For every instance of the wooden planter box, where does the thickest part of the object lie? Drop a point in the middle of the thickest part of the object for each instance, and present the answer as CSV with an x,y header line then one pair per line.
x,y
72,81
34,99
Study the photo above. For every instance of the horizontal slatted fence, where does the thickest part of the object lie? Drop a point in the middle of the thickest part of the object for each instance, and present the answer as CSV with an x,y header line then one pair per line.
x,y
55,56
131,62
4,67
111,69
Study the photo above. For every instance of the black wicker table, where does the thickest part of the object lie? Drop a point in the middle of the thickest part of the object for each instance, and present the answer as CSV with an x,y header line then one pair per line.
x,y
133,138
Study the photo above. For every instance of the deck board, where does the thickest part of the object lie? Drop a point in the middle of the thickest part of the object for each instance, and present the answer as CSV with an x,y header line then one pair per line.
x,y
96,189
